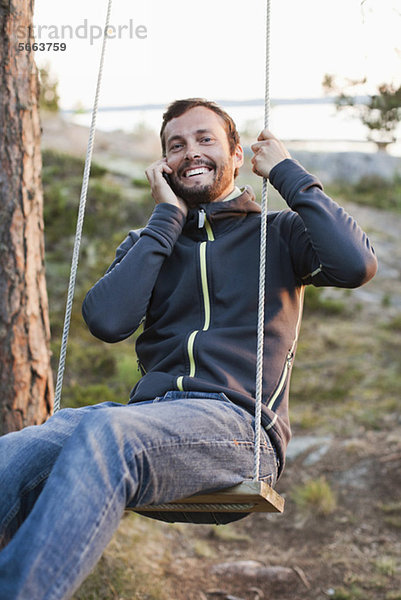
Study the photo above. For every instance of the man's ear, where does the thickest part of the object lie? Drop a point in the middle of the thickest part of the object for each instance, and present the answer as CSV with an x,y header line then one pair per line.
x,y
238,156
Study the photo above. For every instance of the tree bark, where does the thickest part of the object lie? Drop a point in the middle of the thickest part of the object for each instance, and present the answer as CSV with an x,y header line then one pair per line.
x,y
26,386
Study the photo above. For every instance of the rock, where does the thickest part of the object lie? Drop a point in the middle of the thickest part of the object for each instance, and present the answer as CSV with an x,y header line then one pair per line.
x,y
276,573
247,568
253,569
299,445
358,476
314,457
348,166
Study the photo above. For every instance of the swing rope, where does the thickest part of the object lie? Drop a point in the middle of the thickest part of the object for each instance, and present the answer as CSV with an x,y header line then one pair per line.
x,y
80,222
262,271
263,243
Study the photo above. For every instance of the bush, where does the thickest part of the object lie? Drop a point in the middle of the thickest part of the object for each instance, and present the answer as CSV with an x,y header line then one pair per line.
x,y
370,190
111,211
77,396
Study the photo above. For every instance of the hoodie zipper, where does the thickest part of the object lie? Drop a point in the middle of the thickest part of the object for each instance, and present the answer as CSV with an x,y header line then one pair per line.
x,y
288,359
287,365
202,222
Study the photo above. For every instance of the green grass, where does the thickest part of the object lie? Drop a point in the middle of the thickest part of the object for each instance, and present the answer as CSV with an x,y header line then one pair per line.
x,y
393,596
141,182
386,565
133,565
353,593
229,533
371,190
394,324
391,514
114,580
315,496
316,302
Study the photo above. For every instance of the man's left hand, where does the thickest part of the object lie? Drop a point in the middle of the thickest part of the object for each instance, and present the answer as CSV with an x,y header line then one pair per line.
x,y
268,152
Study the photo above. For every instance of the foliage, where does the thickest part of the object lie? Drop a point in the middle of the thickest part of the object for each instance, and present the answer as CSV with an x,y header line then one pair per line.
x,y
107,209
380,112
77,395
48,95
141,182
370,190
96,371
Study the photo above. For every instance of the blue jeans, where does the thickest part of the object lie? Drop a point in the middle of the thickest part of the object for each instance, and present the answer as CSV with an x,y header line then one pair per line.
x,y
64,485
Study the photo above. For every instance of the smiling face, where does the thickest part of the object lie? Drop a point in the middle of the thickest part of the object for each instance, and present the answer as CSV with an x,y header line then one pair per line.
x,y
198,151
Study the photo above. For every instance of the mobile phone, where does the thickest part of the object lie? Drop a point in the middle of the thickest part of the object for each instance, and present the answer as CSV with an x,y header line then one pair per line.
x,y
167,178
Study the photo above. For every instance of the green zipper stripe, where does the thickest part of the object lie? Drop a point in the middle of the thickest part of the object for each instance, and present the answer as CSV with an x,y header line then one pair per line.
x,y
289,356
191,341
280,385
272,423
206,305
209,231
205,289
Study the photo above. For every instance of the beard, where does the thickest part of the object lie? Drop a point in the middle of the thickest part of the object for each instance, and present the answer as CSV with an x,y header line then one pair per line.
x,y
203,194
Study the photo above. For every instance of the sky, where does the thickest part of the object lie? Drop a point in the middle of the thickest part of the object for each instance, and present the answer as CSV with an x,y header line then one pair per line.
x,y
216,48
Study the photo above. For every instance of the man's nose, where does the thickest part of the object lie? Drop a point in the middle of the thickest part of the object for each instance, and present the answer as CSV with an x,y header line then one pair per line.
x,y
192,152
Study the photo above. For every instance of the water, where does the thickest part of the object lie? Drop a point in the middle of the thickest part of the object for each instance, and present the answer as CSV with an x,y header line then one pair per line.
x,y
315,126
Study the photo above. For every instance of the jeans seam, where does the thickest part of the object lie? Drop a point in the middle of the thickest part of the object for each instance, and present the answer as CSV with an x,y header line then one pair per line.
x,y
268,449
17,505
35,482
188,443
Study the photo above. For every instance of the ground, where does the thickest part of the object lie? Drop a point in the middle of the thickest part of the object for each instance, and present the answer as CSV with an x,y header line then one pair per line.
x,y
352,552
339,536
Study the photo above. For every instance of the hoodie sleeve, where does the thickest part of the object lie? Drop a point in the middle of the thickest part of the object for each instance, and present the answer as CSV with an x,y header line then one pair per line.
x,y
114,307
327,245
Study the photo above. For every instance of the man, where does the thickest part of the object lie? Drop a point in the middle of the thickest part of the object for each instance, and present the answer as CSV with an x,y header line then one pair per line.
x,y
192,272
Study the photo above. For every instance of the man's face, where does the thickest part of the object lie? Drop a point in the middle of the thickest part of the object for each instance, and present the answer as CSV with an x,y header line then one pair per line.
x,y
198,151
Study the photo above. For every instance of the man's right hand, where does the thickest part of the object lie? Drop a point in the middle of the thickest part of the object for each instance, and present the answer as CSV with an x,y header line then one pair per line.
x,y
161,191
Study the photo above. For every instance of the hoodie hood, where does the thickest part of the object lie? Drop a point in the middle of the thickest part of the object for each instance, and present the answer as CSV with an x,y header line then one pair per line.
x,y
223,215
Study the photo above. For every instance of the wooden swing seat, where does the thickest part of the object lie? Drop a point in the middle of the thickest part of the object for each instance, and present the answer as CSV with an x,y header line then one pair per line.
x,y
247,497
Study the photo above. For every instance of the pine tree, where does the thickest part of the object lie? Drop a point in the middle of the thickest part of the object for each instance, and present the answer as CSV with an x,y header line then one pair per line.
x,y
26,387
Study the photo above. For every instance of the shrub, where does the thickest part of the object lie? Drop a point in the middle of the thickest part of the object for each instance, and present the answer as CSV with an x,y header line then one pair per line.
x,y
77,395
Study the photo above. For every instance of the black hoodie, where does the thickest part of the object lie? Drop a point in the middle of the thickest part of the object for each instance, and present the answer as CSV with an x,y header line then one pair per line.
x,y
195,281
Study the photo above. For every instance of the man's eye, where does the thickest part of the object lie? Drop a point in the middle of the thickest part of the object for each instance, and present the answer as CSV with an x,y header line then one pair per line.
x,y
176,146
206,139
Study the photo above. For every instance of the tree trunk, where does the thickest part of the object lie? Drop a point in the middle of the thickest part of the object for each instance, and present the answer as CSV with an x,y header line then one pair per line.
x,y
26,387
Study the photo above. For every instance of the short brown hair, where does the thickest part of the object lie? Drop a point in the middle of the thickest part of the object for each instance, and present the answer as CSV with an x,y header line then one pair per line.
x,y
179,107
